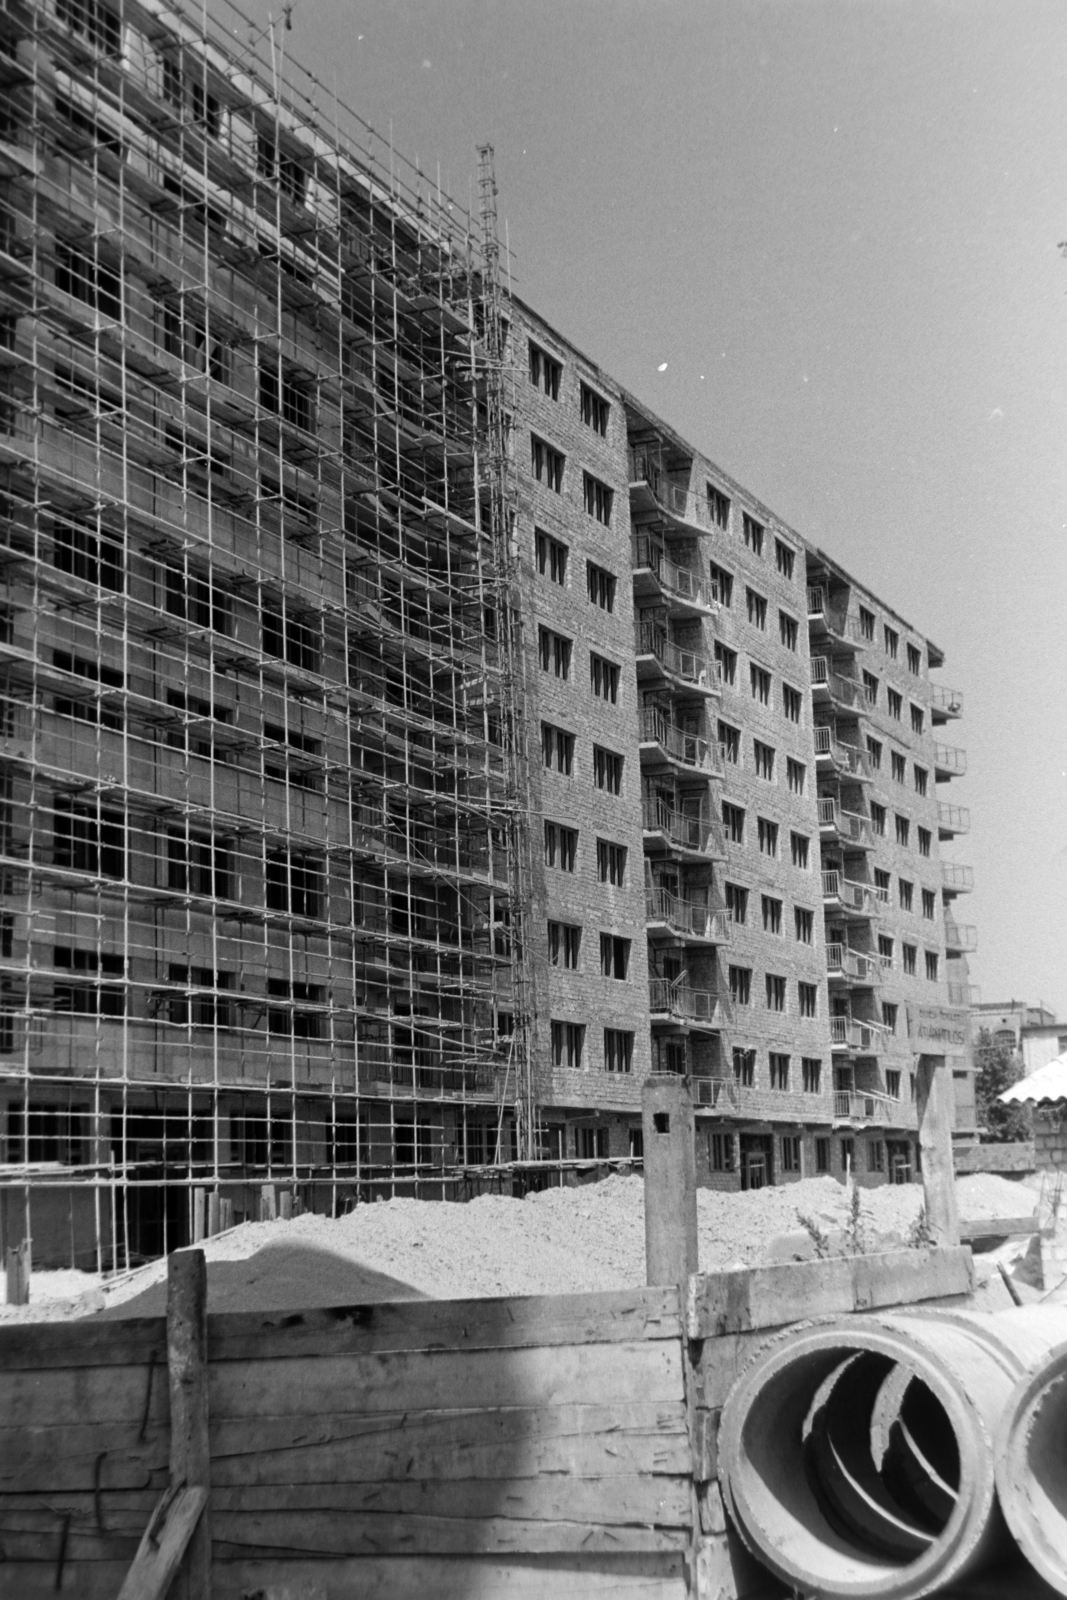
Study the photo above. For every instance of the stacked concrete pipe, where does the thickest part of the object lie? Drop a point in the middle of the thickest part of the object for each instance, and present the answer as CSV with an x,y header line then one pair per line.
x,y
856,1455
1032,1466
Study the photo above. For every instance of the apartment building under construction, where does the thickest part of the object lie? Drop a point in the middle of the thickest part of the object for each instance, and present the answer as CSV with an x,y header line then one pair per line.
x,y
409,742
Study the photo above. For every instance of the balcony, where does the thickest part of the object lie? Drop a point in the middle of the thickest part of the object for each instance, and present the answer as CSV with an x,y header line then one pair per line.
x,y
663,741
949,762
848,1035
652,490
964,994
961,938
733,1099
945,705
826,684
852,967
654,649
857,1106
849,898
952,820
654,570
956,879
700,1010
848,827
688,920
694,834
840,757
834,621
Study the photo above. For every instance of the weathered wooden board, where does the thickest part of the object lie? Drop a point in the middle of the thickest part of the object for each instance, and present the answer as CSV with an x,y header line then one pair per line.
x,y
162,1551
998,1227
389,1446
625,1316
725,1303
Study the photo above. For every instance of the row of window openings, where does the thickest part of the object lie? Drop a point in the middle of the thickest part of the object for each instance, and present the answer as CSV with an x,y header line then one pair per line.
x,y
894,703
557,755
553,562
208,1005
723,1155
898,766
779,1070
568,1047
759,682
555,651
775,991
891,644
902,829
561,853
767,834
771,909
909,957
764,759
546,373
565,948
547,466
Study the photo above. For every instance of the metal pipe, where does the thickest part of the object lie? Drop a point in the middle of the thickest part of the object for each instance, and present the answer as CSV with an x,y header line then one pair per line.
x,y
1031,1465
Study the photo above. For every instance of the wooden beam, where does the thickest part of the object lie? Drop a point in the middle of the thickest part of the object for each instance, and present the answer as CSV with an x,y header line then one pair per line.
x,y
166,1539
190,1456
724,1303
933,1096
670,1180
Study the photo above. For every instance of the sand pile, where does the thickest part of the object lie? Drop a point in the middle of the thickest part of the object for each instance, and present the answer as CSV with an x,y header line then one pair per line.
x,y
564,1241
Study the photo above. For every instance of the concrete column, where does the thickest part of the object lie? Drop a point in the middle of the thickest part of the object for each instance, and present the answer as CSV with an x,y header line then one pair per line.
x,y
670,1180
933,1095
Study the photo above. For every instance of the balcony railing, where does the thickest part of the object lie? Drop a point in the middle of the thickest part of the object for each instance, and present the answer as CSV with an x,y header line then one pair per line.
x,y
953,819
860,897
960,937
835,621
648,552
844,756
843,690
675,498
949,760
688,749
851,1035
851,1105
690,665
955,878
946,702
852,828
673,999
964,994
690,832
854,964
686,917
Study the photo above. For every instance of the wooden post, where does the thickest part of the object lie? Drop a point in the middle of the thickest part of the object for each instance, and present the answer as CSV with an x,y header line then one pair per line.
x,y
268,1203
213,1209
285,1205
670,1181
198,1215
190,1459
933,1095
225,1214
18,1274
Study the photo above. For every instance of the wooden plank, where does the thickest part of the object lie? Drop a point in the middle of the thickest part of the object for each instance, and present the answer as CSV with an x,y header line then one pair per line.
x,y
552,1497
26,1580
571,1577
622,1316
164,1546
393,1446
769,1297
998,1227
418,1381
936,1114
559,1375
279,1534
670,1180
190,1452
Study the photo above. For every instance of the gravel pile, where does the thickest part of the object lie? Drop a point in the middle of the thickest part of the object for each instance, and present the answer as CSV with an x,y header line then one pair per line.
x,y
564,1241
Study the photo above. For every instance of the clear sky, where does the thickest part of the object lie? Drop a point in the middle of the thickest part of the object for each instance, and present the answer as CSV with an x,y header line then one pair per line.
x,y
837,222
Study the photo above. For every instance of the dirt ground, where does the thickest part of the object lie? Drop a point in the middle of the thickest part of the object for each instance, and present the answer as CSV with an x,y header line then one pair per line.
x,y
562,1241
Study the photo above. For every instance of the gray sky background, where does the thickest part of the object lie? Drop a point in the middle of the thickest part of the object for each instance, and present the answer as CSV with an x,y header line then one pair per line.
x,y
837,222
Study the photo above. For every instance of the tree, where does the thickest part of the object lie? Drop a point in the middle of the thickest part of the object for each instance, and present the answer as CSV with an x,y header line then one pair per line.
x,y
996,1069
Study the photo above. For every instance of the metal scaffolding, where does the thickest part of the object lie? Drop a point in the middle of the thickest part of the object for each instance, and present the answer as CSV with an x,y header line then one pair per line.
x,y
261,742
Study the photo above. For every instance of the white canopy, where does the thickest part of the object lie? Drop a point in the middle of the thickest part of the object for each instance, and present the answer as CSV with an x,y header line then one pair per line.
x,y
1043,1087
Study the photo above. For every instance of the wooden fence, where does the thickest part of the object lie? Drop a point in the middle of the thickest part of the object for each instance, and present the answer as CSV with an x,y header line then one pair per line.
x,y
533,1449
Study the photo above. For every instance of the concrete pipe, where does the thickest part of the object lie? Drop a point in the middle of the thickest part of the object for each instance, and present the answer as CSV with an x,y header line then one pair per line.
x,y
856,1455
1032,1467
